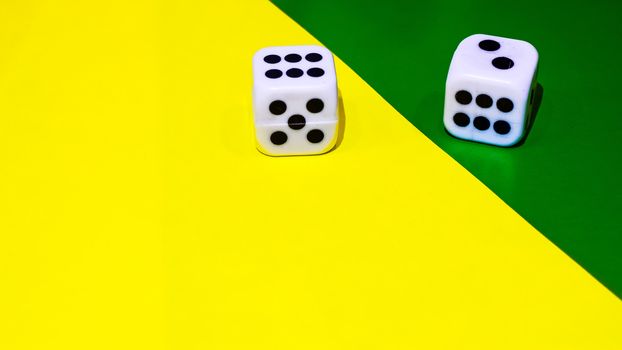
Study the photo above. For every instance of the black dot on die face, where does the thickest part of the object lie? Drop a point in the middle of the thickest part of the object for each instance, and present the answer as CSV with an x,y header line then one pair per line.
x,y
315,105
313,57
489,45
463,97
315,72
481,123
277,107
274,74
296,122
461,119
484,101
505,105
272,59
294,73
293,58
503,63
502,127
278,138
315,136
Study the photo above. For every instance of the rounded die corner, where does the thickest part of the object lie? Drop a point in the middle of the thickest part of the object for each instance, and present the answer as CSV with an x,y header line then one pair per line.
x,y
513,143
262,150
476,36
261,53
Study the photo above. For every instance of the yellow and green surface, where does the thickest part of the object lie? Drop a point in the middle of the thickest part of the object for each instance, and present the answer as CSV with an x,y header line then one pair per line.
x,y
565,179
135,212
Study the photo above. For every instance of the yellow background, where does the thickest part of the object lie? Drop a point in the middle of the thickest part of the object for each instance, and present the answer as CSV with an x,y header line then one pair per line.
x,y
135,211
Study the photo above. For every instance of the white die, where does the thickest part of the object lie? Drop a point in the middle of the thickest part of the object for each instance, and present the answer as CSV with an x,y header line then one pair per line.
x,y
295,100
490,89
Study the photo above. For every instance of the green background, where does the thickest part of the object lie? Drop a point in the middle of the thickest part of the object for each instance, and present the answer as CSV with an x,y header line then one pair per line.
x,y
565,178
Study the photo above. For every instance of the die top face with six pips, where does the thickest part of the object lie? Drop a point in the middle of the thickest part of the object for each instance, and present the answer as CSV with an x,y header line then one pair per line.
x,y
295,100
490,89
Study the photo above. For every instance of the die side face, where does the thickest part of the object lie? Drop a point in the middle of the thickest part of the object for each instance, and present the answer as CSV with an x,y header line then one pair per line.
x,y
295,111
487,101
481,111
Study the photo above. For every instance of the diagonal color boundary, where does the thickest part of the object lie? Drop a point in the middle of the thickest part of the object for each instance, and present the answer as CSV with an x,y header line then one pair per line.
x,y
565,178
136,212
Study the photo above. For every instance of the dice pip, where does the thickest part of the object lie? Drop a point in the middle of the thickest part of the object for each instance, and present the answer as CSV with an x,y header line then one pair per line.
x,y
295,100
490,90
